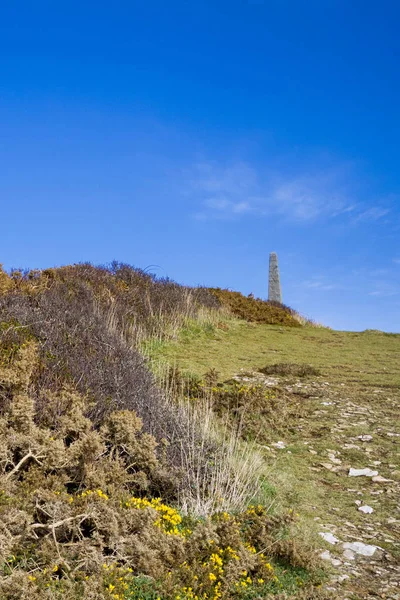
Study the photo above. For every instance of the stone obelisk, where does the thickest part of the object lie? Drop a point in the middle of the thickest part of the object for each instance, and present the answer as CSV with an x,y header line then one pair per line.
x,y
274,287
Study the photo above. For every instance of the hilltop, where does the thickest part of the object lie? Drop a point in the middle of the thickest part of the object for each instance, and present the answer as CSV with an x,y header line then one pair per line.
x,y
162,441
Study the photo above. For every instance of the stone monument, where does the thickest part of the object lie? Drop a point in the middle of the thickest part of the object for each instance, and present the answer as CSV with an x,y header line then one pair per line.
x,y
274,287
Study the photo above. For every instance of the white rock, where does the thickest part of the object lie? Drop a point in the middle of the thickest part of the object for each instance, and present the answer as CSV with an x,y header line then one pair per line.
x,y
326,555
360,548
348,554
328,466
280,445
335,460
365,438
366,509
342,578
365,472
329,537
379,479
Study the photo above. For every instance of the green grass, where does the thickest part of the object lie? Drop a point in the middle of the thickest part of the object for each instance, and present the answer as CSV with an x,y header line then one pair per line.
x,y
360,382
370,358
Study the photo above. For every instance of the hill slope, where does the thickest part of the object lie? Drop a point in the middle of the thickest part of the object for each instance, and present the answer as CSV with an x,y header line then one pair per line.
x,y
113,484
210,477
347,416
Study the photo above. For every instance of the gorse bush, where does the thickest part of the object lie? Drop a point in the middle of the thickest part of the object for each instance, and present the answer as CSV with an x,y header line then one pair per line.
x,y
290,370
112,487
256,310
250,410
81,514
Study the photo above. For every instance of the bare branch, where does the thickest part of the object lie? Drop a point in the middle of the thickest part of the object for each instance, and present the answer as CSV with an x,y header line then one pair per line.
x,y
23,460
53,526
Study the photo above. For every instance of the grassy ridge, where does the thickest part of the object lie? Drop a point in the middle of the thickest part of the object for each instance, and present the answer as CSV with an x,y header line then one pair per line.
x,y
367,357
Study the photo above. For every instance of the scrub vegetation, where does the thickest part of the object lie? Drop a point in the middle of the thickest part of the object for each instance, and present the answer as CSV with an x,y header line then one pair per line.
x,y
115,482
136,421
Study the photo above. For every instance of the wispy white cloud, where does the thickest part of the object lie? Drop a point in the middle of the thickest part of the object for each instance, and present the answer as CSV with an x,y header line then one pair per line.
x,y
320,283
385,288
384,293
373,213
229,191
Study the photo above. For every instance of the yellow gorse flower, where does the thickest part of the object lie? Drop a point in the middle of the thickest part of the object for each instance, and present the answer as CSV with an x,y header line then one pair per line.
x,y
168,518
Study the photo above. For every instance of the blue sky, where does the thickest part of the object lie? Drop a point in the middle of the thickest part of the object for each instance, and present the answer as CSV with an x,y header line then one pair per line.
x,y
199,136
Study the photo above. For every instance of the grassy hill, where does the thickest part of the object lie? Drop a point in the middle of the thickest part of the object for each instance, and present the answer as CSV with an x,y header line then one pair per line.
x,y
327,389
160,441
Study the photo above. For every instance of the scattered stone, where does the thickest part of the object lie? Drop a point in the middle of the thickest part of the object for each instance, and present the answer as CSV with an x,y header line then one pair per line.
x,y
365,438
360,548
329,537
362,472
328,466
280,445
335,460
379,479
366,509
336,562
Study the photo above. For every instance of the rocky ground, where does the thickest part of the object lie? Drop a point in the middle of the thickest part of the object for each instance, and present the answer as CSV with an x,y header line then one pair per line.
x,y
348,447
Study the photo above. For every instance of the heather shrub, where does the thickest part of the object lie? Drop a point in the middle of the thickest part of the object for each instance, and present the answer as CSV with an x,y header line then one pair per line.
x,y
135,303
76,348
